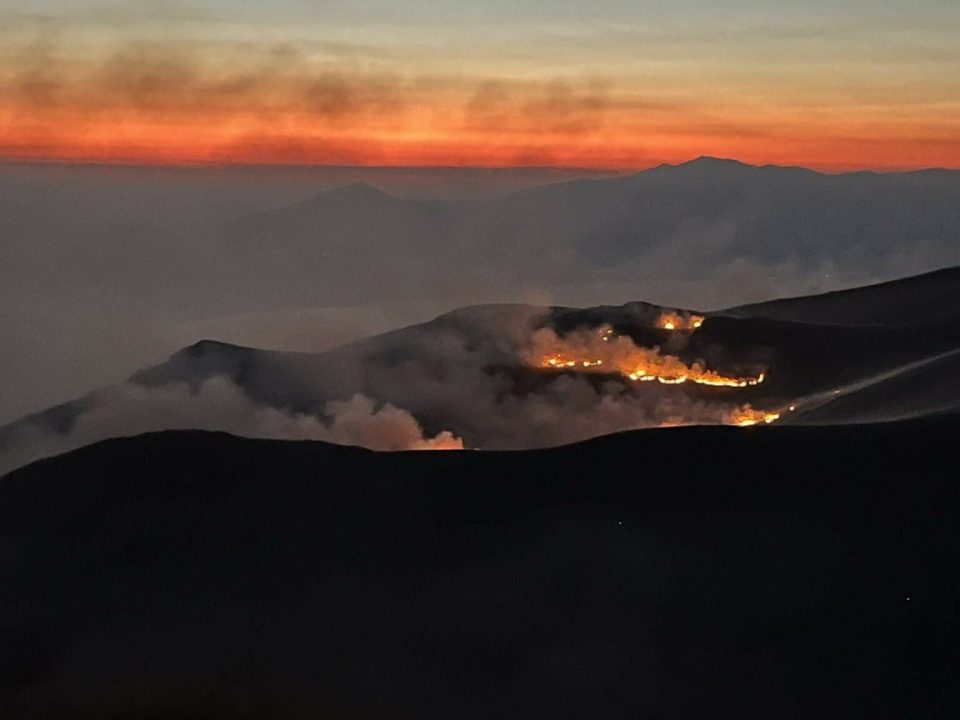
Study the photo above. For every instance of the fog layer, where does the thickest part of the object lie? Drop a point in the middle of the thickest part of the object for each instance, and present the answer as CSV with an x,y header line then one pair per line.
x,y
105,270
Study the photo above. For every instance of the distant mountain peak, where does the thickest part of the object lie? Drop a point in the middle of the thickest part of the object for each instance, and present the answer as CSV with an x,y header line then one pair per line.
x,y
703,163
711,161
206,347
719,165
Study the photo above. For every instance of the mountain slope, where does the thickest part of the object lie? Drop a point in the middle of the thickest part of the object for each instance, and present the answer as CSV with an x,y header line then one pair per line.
x,y
103,271
932,296
472,373
192,574
923,388
650,232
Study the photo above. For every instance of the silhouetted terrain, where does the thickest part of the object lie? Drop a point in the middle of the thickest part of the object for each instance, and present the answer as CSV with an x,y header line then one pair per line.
x,y
934,296
876,353
775,572
799,571
665,225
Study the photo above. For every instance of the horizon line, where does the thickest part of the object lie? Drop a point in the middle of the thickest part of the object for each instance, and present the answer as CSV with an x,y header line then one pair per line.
x,y
587,169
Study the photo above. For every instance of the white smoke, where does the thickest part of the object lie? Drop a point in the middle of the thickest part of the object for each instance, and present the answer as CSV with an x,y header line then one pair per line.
x,y
357,421
218,404
476,375
462,376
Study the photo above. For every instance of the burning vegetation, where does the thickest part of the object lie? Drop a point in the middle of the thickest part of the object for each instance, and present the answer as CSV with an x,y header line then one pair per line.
x,y
688,322
604,352
746,416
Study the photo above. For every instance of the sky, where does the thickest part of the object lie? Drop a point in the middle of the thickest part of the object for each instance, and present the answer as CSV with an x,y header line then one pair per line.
x,y
618,84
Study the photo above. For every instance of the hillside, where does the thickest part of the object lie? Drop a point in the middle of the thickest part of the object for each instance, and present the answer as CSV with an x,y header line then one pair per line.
x,y
798,572
479,374
929,297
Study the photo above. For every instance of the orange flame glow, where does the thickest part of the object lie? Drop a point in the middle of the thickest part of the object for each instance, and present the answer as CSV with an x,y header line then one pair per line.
x,y
669,320
605,352
746,416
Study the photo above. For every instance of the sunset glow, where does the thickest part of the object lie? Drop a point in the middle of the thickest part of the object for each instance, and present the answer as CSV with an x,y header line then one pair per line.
x,y
549,89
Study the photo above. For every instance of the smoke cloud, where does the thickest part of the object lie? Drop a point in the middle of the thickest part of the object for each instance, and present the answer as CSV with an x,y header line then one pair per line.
x,y
473,378
104,271
218,404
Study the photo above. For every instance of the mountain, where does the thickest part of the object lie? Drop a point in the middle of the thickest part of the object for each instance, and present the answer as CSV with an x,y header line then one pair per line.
x,y
929,297
926,387
656,228
114,269
478,373
797,572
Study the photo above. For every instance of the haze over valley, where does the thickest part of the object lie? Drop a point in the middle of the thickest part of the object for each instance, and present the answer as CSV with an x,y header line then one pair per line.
x,y
104,271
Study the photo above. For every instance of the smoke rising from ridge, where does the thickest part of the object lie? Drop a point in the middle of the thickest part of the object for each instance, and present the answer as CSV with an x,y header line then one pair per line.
x,y
464,380
218,404
104,271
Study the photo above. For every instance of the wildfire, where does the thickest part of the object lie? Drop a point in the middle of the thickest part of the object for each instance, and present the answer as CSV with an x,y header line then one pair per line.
x,y
559,362
746,416
604,352
675,321
618,354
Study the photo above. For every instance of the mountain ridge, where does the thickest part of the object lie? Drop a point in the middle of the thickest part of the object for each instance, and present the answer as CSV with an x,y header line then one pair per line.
x,y
202,573
469,372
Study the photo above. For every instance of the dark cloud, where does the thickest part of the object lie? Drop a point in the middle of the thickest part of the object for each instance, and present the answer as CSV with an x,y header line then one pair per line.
x,y
551,107
568,109
489,109
163,79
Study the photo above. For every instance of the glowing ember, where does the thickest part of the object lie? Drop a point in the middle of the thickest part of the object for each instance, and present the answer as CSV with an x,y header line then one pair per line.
x,y
746,416
618,354
604,352
665,369
676,321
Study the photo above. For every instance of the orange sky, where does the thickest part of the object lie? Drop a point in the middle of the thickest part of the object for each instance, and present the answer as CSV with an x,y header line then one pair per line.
x,y
176,91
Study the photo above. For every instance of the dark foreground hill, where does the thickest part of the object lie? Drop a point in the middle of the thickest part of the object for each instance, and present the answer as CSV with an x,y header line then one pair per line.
x,y
790,572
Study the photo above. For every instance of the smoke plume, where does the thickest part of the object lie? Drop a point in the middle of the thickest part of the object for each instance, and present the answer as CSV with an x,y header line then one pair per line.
x,y
218,404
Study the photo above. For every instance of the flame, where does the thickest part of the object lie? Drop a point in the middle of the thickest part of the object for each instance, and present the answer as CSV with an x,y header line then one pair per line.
x,y
618,354
443,441
746,416
603,351
674,371
669,320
